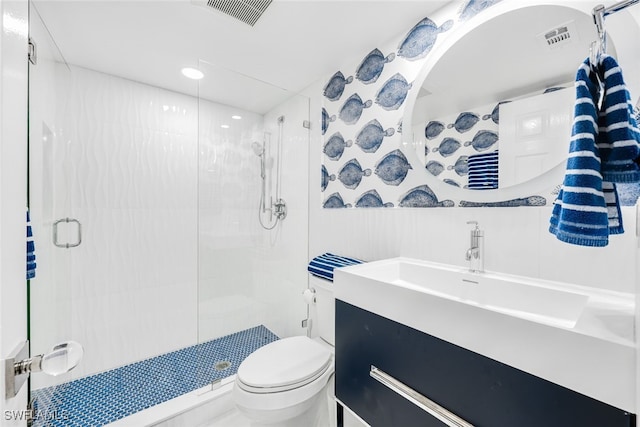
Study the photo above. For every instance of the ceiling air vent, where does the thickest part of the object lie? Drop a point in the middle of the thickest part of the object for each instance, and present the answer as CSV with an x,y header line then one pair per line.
x,y
247,11
559,36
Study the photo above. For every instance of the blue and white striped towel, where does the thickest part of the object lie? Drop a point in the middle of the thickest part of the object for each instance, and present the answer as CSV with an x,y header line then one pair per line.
x,y
619,138
579,213
31,250
587,211
483,170
323,265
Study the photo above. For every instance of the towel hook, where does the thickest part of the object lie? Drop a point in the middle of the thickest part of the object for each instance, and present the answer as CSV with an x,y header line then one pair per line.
x,y
598,19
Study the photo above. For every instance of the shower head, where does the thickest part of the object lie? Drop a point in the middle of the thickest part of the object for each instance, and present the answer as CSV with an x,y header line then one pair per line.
x,y
257,148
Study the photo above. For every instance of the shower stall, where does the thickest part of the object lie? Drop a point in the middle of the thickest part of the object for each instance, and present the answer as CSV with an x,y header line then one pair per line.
x,y
146,207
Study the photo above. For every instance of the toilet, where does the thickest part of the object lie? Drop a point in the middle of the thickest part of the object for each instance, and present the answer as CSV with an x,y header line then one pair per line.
x,y
289,382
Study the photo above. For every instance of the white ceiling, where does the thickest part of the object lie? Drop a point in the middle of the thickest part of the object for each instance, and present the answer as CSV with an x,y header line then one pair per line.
x,y
295,43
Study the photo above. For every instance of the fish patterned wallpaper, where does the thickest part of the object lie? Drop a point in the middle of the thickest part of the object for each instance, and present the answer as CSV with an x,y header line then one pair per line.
x,y
450,140
364,164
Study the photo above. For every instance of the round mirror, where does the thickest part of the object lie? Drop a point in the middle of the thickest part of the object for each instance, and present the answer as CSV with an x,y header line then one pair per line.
x,y
493,106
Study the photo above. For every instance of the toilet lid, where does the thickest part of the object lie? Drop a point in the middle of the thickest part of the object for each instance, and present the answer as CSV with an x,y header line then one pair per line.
x,y
283,365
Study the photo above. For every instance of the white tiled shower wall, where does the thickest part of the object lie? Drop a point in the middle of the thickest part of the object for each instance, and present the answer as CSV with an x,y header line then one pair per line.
x,y
168,222
247,274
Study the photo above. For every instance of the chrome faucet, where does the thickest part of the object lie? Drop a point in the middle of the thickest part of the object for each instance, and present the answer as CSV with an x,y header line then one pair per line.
x,y
475,254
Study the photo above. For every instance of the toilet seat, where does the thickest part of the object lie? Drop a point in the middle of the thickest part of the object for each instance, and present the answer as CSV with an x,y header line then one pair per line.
x,y
283,365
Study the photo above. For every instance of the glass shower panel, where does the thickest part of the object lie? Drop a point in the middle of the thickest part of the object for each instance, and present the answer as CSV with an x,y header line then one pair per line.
x,y
250,278
120,157
49,181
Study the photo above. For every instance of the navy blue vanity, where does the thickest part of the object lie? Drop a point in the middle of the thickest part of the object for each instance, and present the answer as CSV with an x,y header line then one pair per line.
x,y
479,390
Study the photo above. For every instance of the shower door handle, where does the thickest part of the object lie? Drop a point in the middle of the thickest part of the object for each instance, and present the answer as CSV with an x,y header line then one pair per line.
x,y
55,233
18,366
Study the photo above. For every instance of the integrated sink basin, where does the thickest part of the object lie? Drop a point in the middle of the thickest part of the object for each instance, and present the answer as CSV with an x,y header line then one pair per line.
x,y
512,295
579,337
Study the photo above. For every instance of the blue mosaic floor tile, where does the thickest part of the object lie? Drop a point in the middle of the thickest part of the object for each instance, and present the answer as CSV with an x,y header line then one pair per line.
x,y
102,398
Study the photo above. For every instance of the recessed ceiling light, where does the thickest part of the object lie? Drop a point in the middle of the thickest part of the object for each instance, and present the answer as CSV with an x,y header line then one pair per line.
x,y
236,117
192,73
224,126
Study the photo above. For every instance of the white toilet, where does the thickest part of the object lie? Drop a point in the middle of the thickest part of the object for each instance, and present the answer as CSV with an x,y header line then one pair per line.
x,y
289,383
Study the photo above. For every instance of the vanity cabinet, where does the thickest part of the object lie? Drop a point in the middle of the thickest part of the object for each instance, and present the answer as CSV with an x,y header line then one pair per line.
x,y
480,390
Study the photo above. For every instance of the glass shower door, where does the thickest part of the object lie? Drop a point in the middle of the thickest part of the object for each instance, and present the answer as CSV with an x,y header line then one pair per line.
x,y
55,230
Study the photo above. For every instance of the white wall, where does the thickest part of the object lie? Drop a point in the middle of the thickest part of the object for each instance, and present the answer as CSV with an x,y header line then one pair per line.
x,y
13,172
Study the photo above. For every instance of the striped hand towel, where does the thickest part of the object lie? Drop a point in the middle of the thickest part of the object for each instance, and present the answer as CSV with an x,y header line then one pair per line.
x,y
483,170
323,265
580,214
619,138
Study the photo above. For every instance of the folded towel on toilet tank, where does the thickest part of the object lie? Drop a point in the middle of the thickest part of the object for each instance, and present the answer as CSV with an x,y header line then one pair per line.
x,y
323,265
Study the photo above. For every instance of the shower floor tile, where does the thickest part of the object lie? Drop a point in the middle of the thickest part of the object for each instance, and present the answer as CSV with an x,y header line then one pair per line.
x,y
102,398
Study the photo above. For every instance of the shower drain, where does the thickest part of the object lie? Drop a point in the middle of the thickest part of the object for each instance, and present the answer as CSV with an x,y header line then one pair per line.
x,y
221,366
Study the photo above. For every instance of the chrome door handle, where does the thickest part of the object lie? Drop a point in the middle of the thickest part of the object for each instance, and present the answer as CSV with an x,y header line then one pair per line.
x,y
55,233
422,402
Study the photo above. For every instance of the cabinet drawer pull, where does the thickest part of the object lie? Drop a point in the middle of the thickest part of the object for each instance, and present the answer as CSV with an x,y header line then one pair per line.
x,y
447,417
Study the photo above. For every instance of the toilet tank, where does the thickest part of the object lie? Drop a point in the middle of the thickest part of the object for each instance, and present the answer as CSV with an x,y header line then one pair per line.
x,y
325,308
